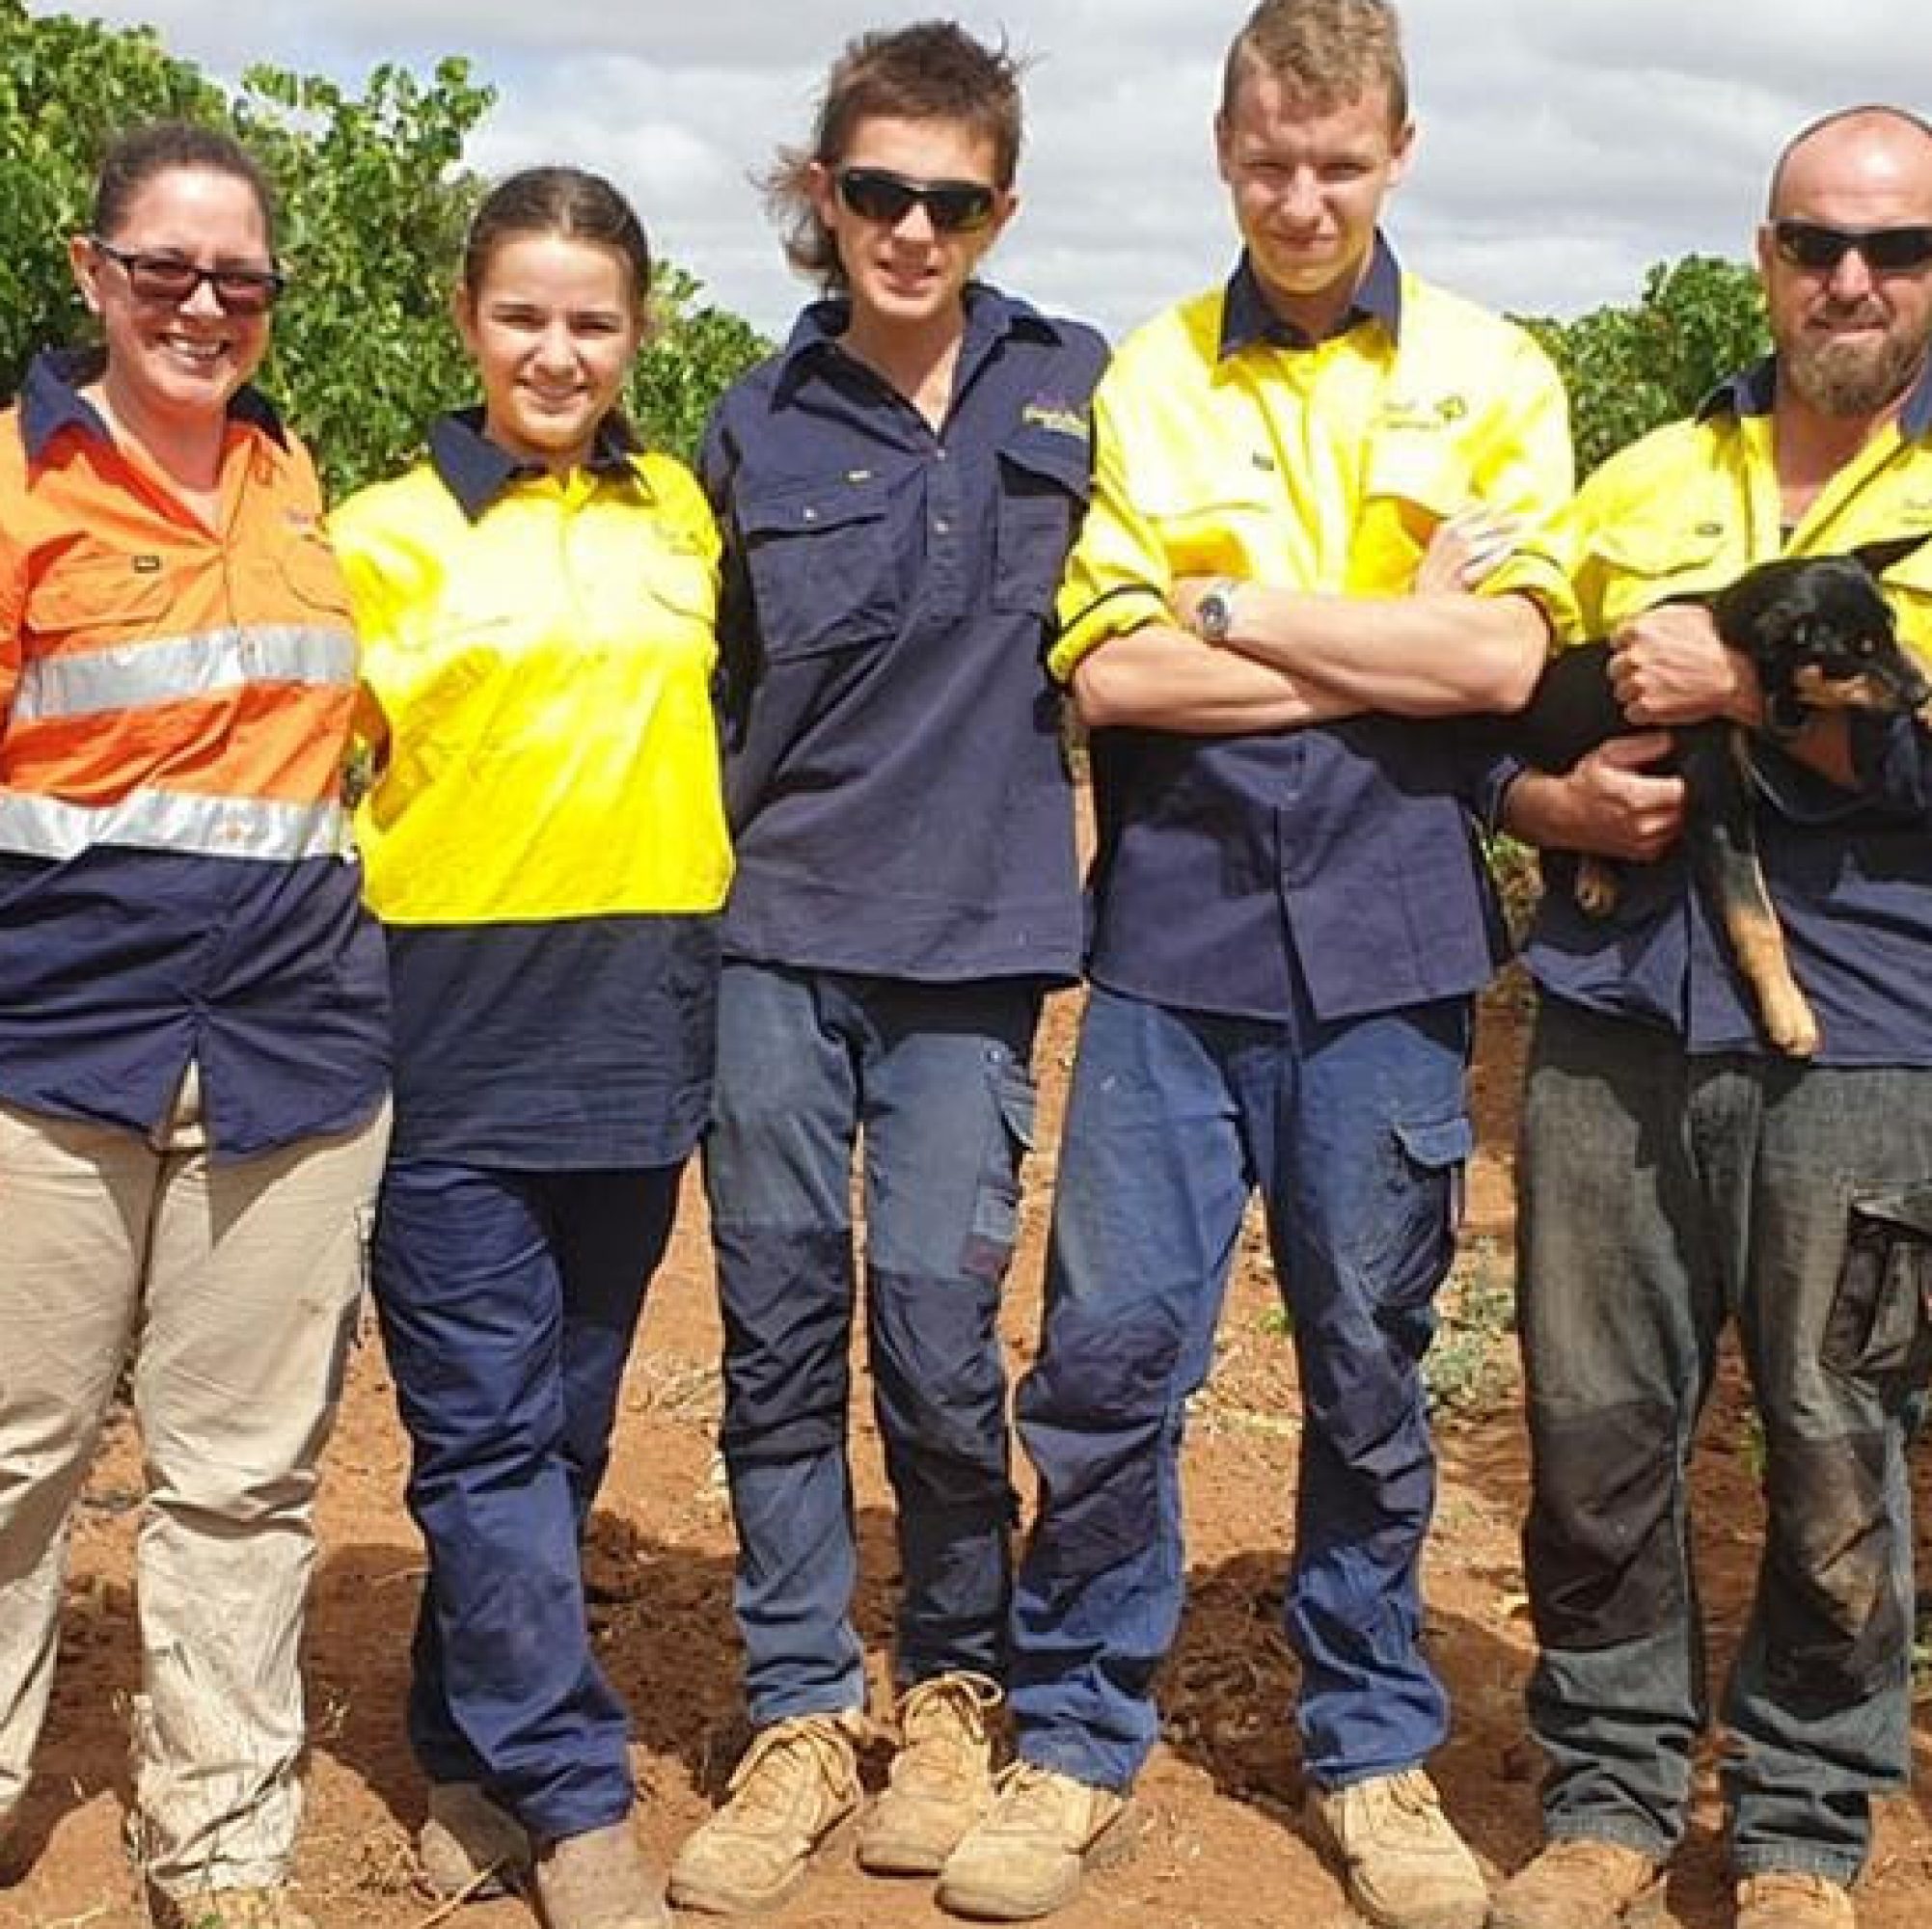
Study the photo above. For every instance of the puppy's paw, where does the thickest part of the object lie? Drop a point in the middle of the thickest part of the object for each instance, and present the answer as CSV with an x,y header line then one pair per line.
x,y
1793,1029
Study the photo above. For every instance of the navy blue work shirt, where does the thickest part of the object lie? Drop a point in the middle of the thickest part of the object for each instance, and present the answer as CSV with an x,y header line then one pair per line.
x,y
898,791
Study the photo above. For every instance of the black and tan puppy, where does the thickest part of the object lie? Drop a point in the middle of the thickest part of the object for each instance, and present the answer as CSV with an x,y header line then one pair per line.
x,y
1821,636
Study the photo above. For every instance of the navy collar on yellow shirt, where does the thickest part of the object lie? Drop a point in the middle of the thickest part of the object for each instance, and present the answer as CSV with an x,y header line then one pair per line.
x,y
51,400
477,470
1247,318
991,316
1753,391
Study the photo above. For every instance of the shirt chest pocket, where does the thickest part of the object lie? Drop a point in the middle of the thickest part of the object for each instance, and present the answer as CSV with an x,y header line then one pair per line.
x,y
108,599
1044,486
1645,563
1413,484
819,560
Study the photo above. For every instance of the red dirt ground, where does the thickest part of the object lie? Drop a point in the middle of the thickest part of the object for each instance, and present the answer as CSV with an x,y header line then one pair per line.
x,y
1220,1849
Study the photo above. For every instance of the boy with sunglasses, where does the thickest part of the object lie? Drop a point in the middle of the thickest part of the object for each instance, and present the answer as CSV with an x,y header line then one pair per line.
x,y
897,489
1679,1172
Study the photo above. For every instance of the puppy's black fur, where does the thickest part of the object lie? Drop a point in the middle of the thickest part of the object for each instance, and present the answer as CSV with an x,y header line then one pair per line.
x,y
1821,638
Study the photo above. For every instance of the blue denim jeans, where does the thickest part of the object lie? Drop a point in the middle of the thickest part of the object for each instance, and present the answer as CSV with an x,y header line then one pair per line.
x,y
1663,1196
933,1081
1355,1135
508,1303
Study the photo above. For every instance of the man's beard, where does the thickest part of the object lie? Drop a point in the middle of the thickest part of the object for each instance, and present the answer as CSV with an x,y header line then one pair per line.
x,y
1840,377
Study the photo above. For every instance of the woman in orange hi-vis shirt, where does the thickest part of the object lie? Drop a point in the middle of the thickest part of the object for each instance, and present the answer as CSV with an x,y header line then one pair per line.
x,y
193,1020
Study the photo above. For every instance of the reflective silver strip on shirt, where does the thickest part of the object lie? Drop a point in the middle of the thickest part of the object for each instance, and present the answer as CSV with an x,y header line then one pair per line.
x,y
167,820
131,676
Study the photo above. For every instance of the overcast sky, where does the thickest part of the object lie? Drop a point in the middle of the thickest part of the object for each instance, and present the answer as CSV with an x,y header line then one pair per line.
x,y
1565,144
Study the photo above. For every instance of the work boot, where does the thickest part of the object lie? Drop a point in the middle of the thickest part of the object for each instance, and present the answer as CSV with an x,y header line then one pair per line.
x,y
469,1846
1404,1866
598,1880
1576,1882
228,1909
798,1782
1793,1899
1042,1833
941,1778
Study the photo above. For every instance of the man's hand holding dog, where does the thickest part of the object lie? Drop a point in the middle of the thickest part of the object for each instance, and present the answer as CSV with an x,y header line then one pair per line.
x,y
1669,665
1610,804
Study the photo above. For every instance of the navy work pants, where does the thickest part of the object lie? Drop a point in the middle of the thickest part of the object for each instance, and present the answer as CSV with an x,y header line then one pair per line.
x,y
933,1081
1355,1133
508,1303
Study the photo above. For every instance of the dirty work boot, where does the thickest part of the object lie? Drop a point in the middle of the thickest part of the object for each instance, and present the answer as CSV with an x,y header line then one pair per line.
x,y
1044,1831
1404,1865
229,1909
1793,1899
598,1880
941,1779
469,1846
798,1781
1576,1882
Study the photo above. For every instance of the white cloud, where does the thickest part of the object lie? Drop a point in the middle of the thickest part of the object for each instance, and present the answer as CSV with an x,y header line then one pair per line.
x,y
1566,144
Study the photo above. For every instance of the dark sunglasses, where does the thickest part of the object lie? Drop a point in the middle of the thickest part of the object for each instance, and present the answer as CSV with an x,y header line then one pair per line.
x,y
166,278
954,207
1818,250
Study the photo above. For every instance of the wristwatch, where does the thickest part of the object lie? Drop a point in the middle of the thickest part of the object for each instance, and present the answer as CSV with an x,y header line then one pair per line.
x,y
1214,611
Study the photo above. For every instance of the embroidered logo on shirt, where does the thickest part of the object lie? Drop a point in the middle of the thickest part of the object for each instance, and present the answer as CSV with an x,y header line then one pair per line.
x,y
1057,418
1409,412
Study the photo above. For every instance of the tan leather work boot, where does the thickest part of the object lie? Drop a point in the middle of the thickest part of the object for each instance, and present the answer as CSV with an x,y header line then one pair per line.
x,y
1576,1882
271,1908
1793,1899
798,1782
941,1778
598,1880
1042,1835
1404,1866
469,1846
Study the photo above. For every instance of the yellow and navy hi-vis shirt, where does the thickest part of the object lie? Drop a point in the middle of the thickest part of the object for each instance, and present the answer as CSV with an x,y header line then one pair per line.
x,y
1226,443
1680,514
545,839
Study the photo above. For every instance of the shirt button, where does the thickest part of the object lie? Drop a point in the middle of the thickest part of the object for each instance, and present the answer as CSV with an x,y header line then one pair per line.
x,y
809,515
940,527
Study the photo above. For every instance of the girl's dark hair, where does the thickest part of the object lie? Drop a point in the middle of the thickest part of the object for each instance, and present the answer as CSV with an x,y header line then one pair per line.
x,y
141,154
558,200
933,71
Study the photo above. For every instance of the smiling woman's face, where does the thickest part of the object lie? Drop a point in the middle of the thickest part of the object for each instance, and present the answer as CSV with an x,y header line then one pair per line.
x,y
179,358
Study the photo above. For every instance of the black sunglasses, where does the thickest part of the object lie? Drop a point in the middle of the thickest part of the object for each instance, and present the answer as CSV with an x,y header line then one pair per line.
x,y
1818,250
166,278
953,206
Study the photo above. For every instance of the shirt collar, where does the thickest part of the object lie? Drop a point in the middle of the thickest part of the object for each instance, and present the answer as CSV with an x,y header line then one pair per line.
x,y
1753,390
1246,317
51,400
477,470
991,316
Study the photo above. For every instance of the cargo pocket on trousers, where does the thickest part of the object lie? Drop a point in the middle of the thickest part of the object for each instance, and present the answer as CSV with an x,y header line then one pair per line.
x,y
995,1206
1879,1330
1422,1207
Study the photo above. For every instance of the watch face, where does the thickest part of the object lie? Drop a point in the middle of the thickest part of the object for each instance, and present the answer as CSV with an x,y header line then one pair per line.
x,y
1215,616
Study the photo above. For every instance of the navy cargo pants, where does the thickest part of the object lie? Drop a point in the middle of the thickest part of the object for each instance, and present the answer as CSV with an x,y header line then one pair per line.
x,y
1355,1135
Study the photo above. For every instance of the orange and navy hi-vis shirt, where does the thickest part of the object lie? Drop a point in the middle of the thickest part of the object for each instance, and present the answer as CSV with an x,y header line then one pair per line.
x,y
175,877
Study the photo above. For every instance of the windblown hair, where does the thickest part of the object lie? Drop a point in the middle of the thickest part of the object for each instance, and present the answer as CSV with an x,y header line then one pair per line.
x,y
1330,52
933,71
